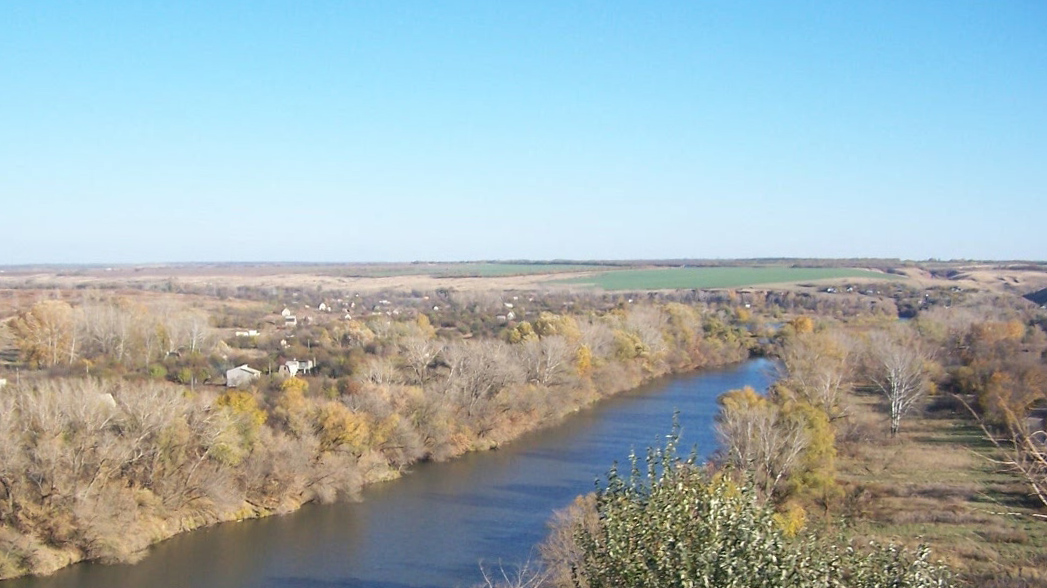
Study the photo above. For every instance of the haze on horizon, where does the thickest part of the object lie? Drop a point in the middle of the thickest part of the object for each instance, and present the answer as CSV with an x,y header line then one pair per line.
x,y
153,132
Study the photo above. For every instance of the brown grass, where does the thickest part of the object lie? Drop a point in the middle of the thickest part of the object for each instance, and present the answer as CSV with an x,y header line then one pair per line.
x,y
934,484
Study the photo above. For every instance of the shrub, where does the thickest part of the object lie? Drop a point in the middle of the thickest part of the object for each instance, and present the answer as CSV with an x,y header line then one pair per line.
x,y
677,525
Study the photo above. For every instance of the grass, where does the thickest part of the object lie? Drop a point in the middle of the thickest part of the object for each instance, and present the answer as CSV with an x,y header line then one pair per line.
x,y
934,484
714,277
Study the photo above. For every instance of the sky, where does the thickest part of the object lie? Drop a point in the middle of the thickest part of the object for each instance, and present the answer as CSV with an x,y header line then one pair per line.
x,y
135,132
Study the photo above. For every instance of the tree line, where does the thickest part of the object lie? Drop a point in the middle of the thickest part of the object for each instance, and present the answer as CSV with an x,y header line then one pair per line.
x,y
98,466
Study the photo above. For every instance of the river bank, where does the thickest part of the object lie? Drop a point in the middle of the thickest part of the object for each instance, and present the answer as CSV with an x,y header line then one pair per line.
x,y
150,530
433,527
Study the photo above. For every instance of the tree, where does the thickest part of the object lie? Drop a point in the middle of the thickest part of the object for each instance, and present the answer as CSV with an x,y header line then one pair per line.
x,y
419,353
897,370
479,370
817,368
760,438
47,333
545,358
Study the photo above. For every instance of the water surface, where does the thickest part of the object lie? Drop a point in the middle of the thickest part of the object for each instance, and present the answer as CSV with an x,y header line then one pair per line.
x,y
432,527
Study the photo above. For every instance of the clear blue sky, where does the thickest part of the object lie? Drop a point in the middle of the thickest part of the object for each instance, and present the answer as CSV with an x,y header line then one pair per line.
x,y
351,131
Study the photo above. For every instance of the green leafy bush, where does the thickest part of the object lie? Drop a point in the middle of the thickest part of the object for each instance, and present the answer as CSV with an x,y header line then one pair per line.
x,y
678,525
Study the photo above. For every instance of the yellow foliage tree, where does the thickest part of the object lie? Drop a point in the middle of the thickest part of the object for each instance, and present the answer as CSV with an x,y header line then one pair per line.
x,y
583,361
339,428
425,326
292,406
802,324
550,324
522,332
46,333
247,415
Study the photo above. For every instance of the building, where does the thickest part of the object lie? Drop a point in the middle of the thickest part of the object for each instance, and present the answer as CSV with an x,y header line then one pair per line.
x,y
293,367
241,376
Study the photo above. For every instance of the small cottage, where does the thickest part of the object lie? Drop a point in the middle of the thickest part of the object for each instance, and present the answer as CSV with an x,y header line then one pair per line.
x,y
293,367
241,376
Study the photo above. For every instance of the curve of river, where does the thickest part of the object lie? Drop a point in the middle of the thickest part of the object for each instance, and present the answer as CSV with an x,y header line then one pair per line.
x,y
432,527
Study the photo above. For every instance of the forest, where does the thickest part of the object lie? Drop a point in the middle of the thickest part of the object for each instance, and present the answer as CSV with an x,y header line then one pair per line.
x,y
117,428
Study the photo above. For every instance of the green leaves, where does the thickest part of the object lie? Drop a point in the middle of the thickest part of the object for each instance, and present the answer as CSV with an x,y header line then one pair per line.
x,y
677,525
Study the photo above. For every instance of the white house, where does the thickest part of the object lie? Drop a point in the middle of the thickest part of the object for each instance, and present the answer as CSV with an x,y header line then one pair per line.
x,y
290,320
247,333
241,376
286,312
293,367
3,382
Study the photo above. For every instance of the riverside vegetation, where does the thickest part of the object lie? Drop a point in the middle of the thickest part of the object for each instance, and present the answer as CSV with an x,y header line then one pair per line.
x,y
118,438
100,467
927,434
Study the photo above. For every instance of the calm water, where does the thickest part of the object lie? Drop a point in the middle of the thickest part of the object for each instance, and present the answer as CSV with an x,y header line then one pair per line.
x,y
434,526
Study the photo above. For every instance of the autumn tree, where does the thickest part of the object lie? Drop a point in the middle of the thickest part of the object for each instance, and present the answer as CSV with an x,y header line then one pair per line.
x,y
760,438
819,369
478,370
544,359
419,353
46,333
897,370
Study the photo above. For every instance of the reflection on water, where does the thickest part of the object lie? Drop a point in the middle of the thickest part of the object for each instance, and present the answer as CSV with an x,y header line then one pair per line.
x,y
434,526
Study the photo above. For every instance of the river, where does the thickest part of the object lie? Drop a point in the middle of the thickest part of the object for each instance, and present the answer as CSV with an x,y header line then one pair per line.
x,y
432,527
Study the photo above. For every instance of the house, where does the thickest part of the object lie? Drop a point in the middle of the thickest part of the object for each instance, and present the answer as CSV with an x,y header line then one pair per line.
x,y
290,320
293,367
241,376
323,307
3,382
247,333
286,312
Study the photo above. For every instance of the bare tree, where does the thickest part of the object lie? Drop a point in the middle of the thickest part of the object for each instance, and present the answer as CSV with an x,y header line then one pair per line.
x,y
1023,450
479,369
598,337
759,438
12,458
897,370
419,353
381,371
544,359
818,368
647,323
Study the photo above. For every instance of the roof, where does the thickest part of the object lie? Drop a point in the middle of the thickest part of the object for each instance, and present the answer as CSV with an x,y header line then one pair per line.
x,y
248,369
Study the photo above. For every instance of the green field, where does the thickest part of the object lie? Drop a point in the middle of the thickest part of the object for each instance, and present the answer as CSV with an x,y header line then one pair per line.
x,y
714,277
